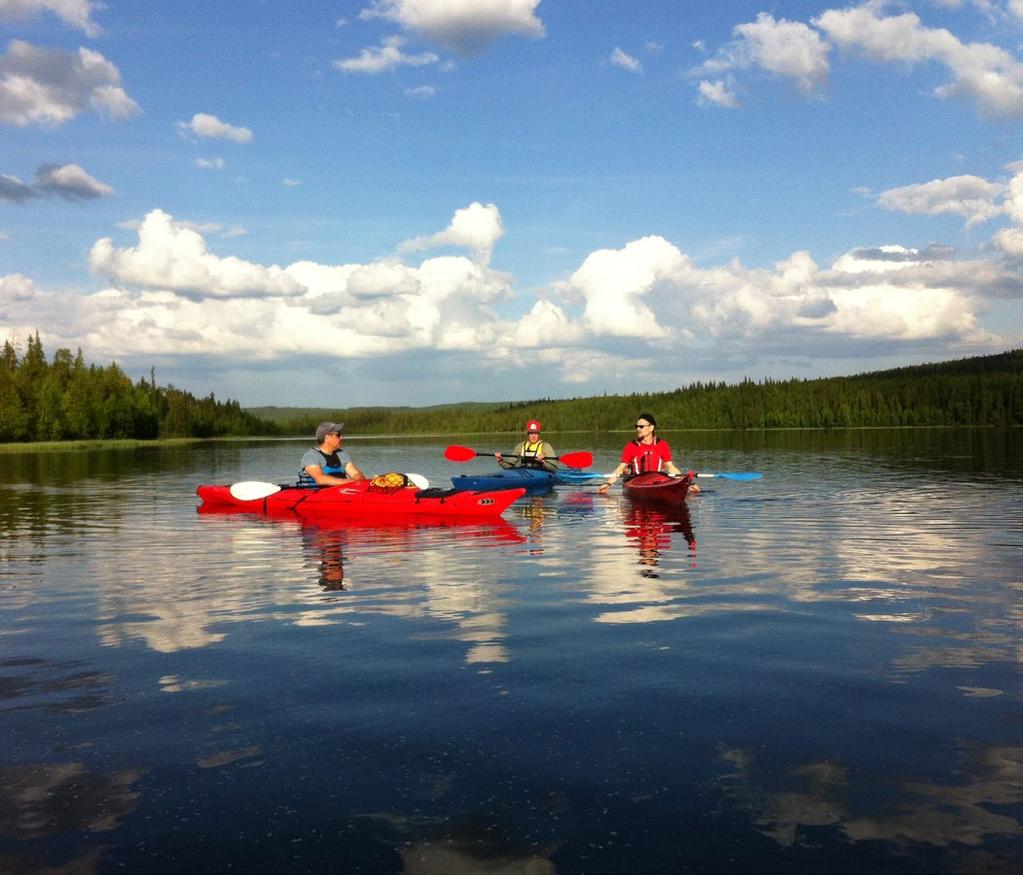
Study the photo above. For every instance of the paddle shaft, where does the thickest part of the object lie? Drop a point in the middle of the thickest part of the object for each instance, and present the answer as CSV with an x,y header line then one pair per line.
x,y
464,454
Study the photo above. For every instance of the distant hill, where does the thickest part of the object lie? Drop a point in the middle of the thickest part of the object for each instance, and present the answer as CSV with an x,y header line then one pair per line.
x,y
982,390
286,414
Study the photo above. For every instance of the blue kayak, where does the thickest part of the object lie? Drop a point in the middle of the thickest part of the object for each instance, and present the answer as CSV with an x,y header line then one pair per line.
x,y
533,479
577,475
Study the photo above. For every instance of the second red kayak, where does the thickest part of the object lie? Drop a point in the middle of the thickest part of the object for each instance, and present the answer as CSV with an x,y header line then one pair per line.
x,y
657,486
361,497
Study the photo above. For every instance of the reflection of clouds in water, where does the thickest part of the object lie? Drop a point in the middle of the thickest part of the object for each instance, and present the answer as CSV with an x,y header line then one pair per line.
x,y
451,857
913,559
472,601
171,683
172,594
176,597
249,755
52,686
441,847
45,799
826,794
677,611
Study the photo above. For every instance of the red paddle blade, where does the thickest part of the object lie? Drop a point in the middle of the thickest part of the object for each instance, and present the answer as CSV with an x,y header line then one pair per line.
x,y
577,460
459,454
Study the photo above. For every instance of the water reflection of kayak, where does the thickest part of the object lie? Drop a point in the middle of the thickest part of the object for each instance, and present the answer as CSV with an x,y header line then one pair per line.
x,y
657,486
363,498
375,527
531,479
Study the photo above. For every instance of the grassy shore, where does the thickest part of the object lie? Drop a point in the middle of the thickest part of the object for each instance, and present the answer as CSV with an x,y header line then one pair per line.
x,y
57,446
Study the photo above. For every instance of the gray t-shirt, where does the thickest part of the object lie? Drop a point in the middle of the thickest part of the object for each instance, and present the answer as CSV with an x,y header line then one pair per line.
x,y
331,463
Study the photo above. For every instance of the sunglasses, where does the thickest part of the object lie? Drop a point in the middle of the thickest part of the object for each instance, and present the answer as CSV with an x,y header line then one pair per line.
x,y
642,425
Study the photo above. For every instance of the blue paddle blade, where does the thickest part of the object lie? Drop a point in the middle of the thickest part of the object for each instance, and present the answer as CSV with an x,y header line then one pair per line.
x,y
741,475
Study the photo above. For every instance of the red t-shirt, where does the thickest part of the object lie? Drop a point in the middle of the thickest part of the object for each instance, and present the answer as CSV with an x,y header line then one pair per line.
x,y
646,457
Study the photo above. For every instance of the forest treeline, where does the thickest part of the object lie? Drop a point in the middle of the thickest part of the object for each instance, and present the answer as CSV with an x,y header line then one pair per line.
x,y
984,390
65,399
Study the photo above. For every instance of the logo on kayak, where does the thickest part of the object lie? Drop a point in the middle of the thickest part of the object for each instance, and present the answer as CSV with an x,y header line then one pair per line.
x,y
485,501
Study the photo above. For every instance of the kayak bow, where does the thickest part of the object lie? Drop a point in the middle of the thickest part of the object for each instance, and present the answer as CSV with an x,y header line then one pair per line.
x,y
532,479
657,486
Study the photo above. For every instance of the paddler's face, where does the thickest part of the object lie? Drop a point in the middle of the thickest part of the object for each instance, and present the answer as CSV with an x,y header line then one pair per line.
x,y
644,430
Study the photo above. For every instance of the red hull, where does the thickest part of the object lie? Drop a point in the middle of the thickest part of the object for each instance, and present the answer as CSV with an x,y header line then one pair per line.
x,y
359,497
655,486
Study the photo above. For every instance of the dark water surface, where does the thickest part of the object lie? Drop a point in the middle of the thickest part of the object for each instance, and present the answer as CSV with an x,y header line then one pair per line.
x,y
818,671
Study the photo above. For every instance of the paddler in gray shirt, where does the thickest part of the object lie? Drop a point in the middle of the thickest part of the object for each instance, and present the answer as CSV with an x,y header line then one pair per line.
x,y
327,464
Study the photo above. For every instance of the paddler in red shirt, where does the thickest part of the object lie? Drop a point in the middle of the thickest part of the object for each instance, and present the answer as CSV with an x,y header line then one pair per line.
x,y
646,453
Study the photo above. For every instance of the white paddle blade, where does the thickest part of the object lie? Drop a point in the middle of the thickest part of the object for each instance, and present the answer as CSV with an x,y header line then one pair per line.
x,y
419,481
250,490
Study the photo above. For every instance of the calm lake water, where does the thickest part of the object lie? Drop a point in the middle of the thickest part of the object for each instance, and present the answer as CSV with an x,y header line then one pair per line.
x,y
817,671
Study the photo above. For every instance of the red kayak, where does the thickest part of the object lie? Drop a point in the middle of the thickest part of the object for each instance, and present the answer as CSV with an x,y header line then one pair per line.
x,y
362,497
657,486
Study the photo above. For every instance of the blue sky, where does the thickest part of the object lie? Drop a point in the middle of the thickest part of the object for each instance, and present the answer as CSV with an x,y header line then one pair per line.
x,y
426,201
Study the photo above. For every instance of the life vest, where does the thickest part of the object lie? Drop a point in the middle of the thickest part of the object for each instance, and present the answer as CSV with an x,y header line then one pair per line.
x,y
647,459
331,465
529,453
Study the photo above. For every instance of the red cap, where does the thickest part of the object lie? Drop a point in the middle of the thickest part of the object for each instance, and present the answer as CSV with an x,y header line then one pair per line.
x,y
533,425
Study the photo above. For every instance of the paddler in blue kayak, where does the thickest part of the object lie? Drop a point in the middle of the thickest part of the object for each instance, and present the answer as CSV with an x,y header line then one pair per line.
x,y
327,464
533,452
646,452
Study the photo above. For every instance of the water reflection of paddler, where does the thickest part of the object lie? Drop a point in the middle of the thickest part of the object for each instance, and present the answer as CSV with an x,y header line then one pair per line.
x,y
535,509
327,547
653,528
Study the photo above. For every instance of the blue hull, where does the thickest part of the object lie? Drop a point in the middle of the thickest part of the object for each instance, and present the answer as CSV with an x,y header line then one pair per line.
x,y
514,478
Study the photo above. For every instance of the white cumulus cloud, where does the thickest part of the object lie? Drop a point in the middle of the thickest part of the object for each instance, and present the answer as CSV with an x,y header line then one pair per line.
x,y
76,13
789,49
464,26
613,284
972,197
175,258
14,190
209,126
386,57
640,312
477,227
51,86
70,181
717,93
981,72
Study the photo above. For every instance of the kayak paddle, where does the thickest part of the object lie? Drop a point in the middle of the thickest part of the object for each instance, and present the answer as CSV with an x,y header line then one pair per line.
x,y
724,475
251,490
464,454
